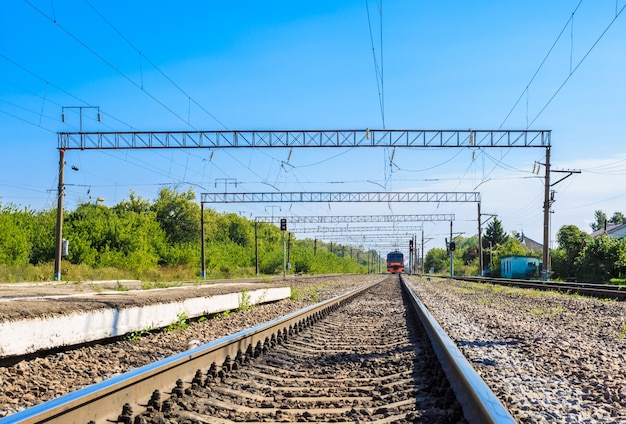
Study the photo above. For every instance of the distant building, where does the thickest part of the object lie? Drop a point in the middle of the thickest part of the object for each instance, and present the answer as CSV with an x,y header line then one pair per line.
x,y
531,244
524,267
618,231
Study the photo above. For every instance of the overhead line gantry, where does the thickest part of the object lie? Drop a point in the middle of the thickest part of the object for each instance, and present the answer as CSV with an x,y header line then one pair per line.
x,y
302,138
346,219
325,197
116,140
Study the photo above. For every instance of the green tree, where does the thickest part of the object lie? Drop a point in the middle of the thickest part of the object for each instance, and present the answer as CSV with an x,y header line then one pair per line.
x,y
494,234
617,218
600,220
16,229
437,259
512,246
603,258
107,237
178,215
571,244
44,237
135,204
494,237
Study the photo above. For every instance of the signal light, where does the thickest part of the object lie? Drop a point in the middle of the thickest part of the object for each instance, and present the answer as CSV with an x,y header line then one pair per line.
x,y
452,246
283,224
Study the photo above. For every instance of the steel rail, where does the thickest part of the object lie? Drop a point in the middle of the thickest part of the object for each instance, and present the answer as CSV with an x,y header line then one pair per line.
x,y
480,405
97,403
604,291
134,389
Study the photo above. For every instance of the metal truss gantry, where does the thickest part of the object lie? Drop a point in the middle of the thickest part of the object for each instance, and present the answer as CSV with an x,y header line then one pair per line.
x,y
401,229
346,219
116,140
325,197
302,138
358,197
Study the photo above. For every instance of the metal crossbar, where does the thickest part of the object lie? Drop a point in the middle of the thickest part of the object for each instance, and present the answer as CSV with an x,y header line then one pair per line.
x,y
302,138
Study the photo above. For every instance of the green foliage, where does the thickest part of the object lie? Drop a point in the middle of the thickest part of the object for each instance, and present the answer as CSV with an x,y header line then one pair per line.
x,y
438,259
617,218
600,220
603,258
16,229
180,323
154,241
494,234
245,300
512,246
178,215
572,242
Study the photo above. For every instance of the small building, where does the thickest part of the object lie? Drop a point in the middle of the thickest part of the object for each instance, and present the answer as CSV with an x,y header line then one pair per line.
x,y
618,231
529,243
524,267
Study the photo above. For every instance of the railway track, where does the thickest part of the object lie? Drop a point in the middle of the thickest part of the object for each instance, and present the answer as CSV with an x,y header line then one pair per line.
x,y
604,291
362,357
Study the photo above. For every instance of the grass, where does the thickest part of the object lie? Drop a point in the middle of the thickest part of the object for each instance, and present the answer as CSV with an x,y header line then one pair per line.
x,y
551,311
307,294
622,332
119,287
245,300
180,323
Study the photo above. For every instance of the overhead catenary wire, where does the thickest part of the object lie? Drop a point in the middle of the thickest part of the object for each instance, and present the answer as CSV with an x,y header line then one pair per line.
x,y
545,58
62,90
105,61
580,62
378,69
116,69
142,57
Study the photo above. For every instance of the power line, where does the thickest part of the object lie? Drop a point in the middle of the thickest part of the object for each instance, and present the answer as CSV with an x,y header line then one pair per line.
x,y
51,84
378,70
191,99
578,65
96,54
525,91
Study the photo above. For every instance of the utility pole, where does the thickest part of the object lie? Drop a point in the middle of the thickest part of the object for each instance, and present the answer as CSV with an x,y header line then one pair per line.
x,y
480,236
59,232
480,244
548,199
546,220
202,236
422,253
451,253
256,247
58,249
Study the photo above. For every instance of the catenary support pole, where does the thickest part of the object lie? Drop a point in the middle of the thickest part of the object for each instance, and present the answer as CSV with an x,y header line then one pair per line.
x,y
256,247
546,221
203,248
58,252
480,243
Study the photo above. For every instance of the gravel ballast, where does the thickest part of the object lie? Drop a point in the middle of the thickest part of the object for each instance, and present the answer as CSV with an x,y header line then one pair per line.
x,y
549,357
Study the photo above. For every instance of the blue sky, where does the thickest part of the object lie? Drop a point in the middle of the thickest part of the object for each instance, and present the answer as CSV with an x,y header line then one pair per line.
x,y
202,65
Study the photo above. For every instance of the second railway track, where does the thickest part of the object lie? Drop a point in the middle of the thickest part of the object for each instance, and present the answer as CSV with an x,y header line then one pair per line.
x,y
369,360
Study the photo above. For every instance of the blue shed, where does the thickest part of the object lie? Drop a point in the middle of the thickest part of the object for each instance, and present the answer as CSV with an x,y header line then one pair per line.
x,y
513,266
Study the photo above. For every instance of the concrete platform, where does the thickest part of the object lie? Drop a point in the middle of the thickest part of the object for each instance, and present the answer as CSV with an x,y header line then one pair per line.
x,y
45,320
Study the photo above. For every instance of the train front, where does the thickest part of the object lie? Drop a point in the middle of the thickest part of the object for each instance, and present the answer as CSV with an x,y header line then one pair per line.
x,y
395,262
